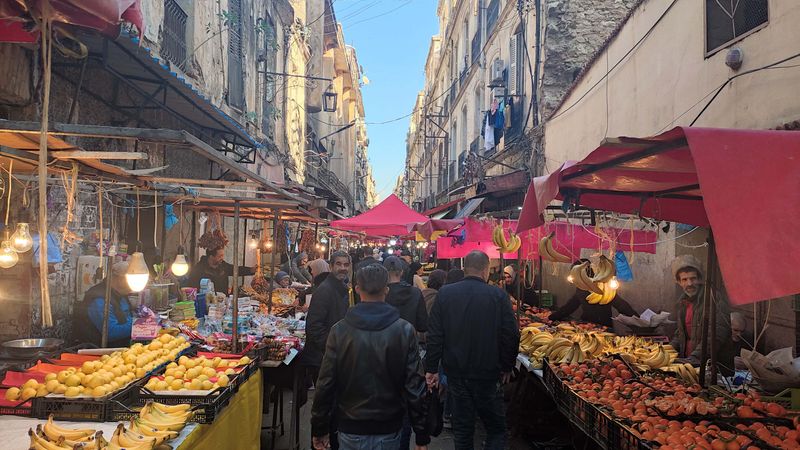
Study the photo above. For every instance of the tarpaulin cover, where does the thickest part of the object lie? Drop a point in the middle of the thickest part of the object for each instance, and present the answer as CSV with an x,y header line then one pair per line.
x,y
569,239
436,226
744,184
391,217
104,16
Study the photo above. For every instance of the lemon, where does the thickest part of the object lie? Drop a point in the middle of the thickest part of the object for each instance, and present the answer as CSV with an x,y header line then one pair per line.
x,y
202,377
50,376
165,338
41,390
99,391
195,385
88,367
179,374
155,345
207,385
208,363
244,361
12,394
176,384
161,386
209,372
27,394
30,384
52,385
72,391
223,380
230,372
140,372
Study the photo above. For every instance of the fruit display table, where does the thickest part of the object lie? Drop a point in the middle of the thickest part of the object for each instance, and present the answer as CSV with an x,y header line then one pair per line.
x,y
239,425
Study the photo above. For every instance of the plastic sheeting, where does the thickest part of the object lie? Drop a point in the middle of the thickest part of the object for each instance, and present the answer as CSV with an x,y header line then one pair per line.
x,y
743,184
104,16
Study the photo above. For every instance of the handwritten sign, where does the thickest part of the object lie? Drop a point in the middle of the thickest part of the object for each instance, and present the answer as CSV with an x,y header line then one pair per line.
x,y
144,329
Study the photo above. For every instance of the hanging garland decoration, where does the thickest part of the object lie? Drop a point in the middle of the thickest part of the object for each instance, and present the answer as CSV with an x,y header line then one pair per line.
x,y
307,242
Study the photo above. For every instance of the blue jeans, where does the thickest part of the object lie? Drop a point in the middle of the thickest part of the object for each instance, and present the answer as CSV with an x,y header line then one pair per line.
x,y
483,398
369,442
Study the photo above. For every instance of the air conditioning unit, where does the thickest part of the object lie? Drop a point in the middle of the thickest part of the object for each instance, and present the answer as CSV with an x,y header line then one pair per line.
x,y
497,69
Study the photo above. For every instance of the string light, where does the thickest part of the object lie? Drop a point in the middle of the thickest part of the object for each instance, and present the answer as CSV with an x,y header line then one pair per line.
x,y
8,257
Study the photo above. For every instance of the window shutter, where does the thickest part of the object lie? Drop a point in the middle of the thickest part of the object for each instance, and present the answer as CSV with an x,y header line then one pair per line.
x,y
512,63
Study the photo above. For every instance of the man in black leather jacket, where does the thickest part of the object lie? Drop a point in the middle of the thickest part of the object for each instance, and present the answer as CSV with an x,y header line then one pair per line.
x,y
329,304
370,374
472,332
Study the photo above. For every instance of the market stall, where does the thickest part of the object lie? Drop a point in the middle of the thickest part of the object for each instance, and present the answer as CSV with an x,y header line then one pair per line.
x,y
628,392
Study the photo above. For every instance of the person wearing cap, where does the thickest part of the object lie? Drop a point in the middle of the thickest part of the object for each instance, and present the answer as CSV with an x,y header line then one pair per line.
x,y
296,267
283,280
87,320
688,274
597,313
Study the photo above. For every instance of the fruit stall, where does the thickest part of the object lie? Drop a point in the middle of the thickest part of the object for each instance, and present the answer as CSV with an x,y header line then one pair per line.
x,y
626,392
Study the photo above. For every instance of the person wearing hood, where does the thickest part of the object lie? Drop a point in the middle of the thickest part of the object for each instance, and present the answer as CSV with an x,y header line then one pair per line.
x,y
296,268
214,267
599,314
688,274
319,269
511,281
282,279
370,377
405,297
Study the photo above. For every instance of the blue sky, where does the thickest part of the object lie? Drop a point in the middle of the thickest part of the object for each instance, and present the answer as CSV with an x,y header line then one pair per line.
x,y
391,39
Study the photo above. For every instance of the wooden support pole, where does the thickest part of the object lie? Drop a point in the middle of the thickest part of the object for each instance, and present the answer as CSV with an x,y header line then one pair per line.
x,y
707,309
272,259
235,313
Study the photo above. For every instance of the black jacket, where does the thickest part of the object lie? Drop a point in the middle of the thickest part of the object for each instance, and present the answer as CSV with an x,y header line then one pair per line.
x,y
472,331
370,375
218,275
599,314
409,301
329,305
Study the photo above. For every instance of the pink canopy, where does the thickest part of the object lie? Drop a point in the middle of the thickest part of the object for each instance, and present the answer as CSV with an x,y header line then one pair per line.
x,y
744,184
391,217
104,16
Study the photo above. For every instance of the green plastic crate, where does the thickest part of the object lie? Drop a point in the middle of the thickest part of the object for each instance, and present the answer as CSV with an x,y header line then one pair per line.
x,y
546,300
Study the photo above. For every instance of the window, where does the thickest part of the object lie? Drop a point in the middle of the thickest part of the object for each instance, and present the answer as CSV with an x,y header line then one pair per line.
x,y
270,49
174,44
479,123
516,61
235,56
492,11
730,20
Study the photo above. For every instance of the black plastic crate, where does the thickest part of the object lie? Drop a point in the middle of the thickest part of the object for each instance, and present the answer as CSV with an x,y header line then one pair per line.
x,y
24,409
206,407
86,409
553,383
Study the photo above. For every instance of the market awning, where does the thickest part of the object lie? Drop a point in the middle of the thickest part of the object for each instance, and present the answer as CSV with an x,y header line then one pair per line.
x,y
391,217
249,208
744,184
443,208
470,207
24,135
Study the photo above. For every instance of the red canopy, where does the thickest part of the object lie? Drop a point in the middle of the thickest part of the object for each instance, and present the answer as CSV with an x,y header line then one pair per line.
x,y
391,217
104,16
744,184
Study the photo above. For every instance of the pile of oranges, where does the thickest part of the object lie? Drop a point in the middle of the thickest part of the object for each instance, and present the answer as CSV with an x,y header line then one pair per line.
x,y
675,415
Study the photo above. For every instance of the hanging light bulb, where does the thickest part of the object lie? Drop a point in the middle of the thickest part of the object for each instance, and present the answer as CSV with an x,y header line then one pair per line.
x,y
21,240
613,283
392,242
8,257
138,275
180,267
253,244
322,248
269,245
570,278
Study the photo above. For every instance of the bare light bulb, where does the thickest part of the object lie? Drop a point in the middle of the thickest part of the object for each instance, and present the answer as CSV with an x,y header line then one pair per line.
x,y
253,244
570,278
8,257
138,275
180,267
392,242
21,240
613,283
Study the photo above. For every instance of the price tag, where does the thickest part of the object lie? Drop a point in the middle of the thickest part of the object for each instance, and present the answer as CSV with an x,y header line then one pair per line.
x,y
144,329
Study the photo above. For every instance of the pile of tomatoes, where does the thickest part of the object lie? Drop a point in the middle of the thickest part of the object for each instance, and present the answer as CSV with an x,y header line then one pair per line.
x,y
653,406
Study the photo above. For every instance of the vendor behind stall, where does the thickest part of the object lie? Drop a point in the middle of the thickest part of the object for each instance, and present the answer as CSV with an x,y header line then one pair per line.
x,y
297,268
215,268
688,274
87,319
283,280
597,313
511,281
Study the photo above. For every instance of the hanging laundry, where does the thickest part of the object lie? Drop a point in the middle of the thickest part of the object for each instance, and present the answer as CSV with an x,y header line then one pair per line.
x,y
507,111
499,119
488,133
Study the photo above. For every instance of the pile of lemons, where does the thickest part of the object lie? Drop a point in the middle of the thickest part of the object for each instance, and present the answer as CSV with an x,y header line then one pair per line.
x,y
197,374
106,375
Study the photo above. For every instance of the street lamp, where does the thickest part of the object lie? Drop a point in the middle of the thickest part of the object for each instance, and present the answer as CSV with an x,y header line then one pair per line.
x,y
329,100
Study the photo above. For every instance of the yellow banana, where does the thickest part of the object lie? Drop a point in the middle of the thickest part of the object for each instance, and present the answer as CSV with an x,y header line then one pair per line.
x,y
549,253
593,298
587,282
125,440
169,409
40,443
53,431
604,270
159,435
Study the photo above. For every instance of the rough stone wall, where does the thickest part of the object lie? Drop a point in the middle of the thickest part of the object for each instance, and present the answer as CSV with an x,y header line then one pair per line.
x,y
574,31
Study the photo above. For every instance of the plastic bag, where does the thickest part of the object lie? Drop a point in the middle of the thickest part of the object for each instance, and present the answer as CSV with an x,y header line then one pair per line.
x,y
53,250
624,272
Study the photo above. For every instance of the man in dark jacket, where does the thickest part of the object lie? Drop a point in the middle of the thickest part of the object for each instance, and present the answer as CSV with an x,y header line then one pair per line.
x,y
366,259
406,298
472,332
370,375
329,304
214,267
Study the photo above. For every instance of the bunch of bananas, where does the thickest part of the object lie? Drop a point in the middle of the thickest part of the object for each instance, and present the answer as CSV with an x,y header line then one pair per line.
x,y
592,344
605,298
602,286
162,418
548,253
504,245
579,276
53,437
642,354
685,372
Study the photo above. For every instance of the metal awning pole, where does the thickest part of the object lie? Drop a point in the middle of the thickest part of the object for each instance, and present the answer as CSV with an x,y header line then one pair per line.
x,y
235,313
708,311
106,302
272,259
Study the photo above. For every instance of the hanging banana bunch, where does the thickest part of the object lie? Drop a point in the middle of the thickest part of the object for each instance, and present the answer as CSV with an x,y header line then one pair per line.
x,y
548,253
504,245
